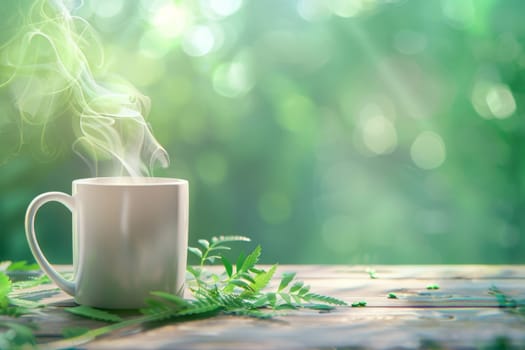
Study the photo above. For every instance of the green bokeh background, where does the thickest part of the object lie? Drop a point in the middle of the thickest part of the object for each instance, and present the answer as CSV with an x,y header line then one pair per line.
x,y
358,131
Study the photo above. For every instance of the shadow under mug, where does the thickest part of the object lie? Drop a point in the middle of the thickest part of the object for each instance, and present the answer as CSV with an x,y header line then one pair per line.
x,y
130,237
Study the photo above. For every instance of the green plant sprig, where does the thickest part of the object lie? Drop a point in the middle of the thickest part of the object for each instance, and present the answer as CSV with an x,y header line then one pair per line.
x,y
237,290
240,289
508,303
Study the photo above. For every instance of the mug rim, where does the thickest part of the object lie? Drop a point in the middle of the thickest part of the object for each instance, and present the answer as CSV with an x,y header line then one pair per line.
x,y
129,181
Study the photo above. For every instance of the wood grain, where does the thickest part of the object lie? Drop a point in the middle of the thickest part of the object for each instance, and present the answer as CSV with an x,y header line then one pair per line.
x,y
460,315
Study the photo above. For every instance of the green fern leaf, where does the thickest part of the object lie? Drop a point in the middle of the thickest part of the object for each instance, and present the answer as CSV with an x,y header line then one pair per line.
x,y
232,301
195,251
303,290
272,299
5,288
97,314
22,266
286,279
286,298
324,299
70,332
193,311
262,279
297,299
227,266
246,276
251,259
260,302
204,243
286,306
240,262
241,284
296,286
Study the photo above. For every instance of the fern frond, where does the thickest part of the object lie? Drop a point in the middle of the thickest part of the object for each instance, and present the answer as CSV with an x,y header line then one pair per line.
x,y
251,259
286,279
193,311
263,278
96,314
324,299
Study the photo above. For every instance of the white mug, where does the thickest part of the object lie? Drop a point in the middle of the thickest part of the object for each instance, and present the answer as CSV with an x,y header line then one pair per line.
x,y
130,237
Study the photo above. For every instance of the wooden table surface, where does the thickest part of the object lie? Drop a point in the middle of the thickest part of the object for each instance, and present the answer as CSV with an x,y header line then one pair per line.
x,y
461,314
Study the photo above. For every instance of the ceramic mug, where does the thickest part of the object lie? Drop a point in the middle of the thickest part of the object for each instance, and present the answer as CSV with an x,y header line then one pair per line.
x,y
130,237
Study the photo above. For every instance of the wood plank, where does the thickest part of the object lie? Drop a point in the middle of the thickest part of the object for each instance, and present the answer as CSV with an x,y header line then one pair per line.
x,y
461,314
425,272
345,327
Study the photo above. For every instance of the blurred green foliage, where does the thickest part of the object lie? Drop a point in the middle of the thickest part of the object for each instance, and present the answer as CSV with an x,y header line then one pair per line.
x,y
359,131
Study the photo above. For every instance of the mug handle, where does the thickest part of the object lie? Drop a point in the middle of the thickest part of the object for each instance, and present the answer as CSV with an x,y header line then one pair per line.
x,y
68,202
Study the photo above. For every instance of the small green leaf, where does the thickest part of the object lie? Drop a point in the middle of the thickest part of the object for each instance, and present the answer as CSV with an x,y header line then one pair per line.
x,y
240,261
260,302
195,251
285,306
22,266
392,296
286,279
5,287
246,276
286,298
70,332
97,314
204,243
198,310
296,286
255,270
359,304
251,259
324,299
303,290
227,266
263,278
272,299
297,299
240,283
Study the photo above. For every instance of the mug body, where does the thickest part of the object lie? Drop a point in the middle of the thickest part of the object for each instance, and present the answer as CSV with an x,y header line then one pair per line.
x,y
130,237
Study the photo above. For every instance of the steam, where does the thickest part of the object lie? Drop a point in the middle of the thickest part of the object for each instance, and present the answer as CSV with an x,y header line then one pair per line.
x,y
52,66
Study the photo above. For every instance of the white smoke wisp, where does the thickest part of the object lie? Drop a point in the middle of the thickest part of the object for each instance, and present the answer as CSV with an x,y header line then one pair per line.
x,y
48,68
